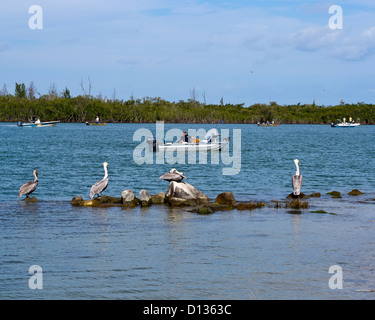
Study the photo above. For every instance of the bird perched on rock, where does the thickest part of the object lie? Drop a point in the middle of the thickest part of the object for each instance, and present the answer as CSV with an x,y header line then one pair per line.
x,y
29,187
173,175
297,180
101,185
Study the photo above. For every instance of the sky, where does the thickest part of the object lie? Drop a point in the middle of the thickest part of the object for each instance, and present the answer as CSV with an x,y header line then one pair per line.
x,y
241,51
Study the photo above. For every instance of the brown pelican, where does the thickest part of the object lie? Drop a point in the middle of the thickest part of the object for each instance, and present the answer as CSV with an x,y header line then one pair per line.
x,y
173,175
29,187
101,185
297,180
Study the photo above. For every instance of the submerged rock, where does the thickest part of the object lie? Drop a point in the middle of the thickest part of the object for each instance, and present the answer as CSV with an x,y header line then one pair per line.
x,y
250,206
104,201
335,194
182,193
355,192
297,204
30,199
315,195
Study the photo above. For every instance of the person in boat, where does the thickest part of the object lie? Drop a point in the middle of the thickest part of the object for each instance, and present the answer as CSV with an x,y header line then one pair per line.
x,y
33,119
37,121
350,120
97,119
185,137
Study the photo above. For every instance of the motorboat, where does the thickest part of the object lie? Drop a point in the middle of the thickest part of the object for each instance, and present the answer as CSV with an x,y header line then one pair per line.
x,y
96,124
344,124
210,142
37,124
268,124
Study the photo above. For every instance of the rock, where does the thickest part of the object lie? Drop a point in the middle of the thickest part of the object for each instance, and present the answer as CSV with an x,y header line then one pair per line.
x,y
182,193
76,201
300,196
204,210
30,199
250,206
158,198
297,204
335,194
127,195
226,198
355,192
128,199
315,195
108,199
104,201
145,198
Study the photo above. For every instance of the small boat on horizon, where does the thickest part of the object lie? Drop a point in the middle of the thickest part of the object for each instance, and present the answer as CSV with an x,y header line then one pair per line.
x,y
267,125
37,124
96,123
344,124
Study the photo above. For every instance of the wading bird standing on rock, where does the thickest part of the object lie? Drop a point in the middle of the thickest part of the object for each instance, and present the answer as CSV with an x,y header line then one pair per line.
x,y
101,185
173,175
297,180
29,187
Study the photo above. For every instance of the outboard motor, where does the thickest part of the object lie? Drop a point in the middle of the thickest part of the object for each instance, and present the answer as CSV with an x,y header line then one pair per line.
x,y
19,124
153,144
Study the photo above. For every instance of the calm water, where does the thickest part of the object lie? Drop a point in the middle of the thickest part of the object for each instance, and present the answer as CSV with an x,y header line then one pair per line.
x,y
165,253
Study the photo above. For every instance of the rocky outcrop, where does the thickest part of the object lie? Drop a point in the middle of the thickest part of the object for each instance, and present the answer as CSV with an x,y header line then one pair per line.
x,y
184,194
104,201
30,199
145,198
128,199
158,198
355,192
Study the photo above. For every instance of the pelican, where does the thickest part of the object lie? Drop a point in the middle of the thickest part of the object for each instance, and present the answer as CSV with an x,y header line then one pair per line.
x,y
29,187
101,185
173,175
297,180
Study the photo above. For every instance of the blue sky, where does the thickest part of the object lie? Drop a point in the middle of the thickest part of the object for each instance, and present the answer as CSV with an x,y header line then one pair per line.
x,y
242,51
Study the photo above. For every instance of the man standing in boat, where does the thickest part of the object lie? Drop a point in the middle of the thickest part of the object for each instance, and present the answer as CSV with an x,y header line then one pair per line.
x,y
185,137
97,119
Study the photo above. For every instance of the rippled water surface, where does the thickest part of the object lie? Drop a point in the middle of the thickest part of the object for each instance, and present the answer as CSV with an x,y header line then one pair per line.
x,y
169,253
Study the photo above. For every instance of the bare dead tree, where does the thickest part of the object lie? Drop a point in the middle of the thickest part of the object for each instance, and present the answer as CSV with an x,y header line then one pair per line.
x,y
204,97
192,94
87,94
31,91
52,91
4,91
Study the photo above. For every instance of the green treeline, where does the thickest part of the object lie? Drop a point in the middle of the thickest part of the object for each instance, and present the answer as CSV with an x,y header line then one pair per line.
x,y
65,108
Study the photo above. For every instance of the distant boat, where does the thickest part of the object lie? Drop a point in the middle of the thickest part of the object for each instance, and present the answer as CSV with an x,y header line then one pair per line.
x,y
344,124
95,124
37,124
209,143
267,125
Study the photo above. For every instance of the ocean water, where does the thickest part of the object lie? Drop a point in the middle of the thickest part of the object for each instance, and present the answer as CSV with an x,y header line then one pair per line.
x,y
171,253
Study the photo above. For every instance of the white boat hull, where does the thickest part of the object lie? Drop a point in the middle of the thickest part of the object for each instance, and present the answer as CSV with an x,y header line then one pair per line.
x,y
38,125
346,125
193,147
